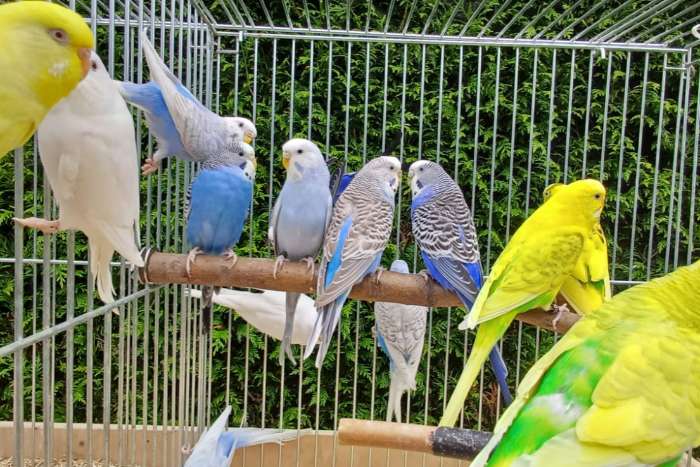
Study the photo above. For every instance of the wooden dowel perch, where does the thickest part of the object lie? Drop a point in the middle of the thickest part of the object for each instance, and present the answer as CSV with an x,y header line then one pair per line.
x,y
459,443
410,289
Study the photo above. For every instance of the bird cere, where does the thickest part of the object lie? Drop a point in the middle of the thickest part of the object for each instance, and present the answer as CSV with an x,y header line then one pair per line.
x,y
620,387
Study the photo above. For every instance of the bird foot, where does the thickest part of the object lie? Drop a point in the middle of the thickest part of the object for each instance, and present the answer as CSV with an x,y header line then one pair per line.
x,y
559,310
279,262
45,226
191,257
425,275
310,264
377,276
231,256
149,167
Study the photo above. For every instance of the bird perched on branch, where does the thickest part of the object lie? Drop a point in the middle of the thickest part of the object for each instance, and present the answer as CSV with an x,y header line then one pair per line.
x,y
219,201
354,242
45,53
529,273
400,331
182,125
620,388
88,147
299,218
266,311
217,445
588,285
444,231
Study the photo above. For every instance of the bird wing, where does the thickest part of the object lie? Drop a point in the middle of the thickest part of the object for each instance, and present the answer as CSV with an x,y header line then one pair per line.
x,y
355,238
200,129
531,276
272,229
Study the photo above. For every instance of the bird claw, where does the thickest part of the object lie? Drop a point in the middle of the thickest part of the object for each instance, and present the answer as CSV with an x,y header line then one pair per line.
x,y
559,310
425,275
45,226
230,255
191,257
149,167
279,262
378,275
310,264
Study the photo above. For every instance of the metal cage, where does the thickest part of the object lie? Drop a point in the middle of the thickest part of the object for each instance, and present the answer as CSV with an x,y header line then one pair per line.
x,y
511,96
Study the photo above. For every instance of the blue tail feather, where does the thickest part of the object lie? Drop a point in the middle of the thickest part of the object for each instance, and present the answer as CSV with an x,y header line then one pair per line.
x,y
499,369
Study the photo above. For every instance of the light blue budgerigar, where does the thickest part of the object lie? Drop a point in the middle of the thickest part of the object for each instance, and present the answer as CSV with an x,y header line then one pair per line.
x,y
299,218
400,331
217,445
149,98
354,242
219,200
444,230
167,102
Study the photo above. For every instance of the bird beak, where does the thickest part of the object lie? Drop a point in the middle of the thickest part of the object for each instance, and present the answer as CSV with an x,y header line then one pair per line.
x,y
84,56
248,137
285,159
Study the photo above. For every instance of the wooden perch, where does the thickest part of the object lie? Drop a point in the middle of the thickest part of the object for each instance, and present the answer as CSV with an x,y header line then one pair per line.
x,y
410,289
459,443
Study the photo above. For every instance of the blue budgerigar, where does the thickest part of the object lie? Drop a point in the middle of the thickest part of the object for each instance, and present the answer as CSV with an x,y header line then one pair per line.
x,y
400,331
354,242
445,232
299,218
182,125
217,445
220,198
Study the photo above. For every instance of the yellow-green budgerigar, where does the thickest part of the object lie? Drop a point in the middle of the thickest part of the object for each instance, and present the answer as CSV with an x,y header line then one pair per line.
x,y
588,284
622,388
529,273
45,53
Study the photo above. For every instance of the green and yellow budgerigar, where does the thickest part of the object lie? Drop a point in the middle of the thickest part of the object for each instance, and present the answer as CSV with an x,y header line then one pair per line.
x,y
622,387
529,273
588,284
45,53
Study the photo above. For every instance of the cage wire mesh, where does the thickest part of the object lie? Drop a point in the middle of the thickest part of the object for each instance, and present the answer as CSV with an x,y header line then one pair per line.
x,y
509,96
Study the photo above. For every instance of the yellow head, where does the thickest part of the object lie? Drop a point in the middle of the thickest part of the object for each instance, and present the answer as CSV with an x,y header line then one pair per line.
x,y
551,189
300,156
49,44
585,197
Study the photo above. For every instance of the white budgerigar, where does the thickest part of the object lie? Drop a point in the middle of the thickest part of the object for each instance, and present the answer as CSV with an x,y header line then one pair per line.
x,y
88,147
400,333
265,311
217,445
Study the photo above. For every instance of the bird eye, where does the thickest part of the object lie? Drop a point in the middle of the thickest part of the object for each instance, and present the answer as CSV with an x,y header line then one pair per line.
x,y
240,125
597,196
421,169
240,154
93,65
59,35
299,151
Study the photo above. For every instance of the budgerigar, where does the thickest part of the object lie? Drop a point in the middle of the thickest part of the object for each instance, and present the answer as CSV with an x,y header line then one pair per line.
x,y
299,218
217,445
400,333
355,240
619,389
202,132
265,310
219,202
149,98
588,285
88,147
529,273
45,53
444,231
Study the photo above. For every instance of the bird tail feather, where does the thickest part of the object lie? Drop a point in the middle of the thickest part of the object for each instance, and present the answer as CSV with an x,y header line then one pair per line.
x,y
100,267
254,436
326,322
397,387
124,241
207,298
501,372
291,300
487,335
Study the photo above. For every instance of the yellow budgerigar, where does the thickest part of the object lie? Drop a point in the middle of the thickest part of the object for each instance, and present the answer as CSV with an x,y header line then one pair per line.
x,y
45,53
622,387
588,285
529,273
